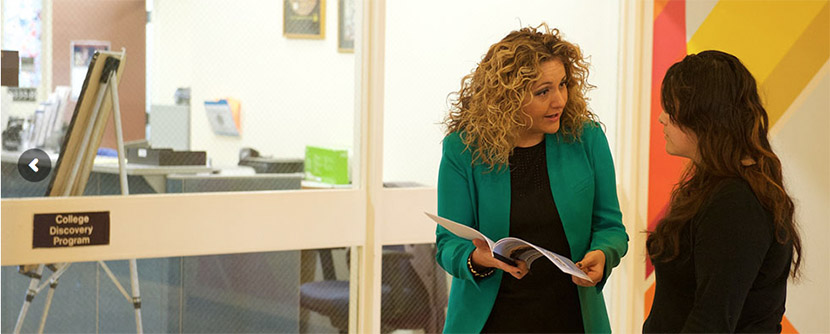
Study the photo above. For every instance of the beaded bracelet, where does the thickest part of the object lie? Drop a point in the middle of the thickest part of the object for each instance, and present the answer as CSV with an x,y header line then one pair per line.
x,y
474,272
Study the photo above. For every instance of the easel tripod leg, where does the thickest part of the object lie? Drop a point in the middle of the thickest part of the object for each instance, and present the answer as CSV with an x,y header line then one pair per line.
x,y
59,269
30,295
52,286
125,190
136,295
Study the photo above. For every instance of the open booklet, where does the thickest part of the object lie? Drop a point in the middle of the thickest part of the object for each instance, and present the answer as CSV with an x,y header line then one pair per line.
x,y
512,248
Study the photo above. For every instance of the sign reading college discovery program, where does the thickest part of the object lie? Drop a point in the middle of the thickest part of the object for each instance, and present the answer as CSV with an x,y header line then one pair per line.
x,y
71,229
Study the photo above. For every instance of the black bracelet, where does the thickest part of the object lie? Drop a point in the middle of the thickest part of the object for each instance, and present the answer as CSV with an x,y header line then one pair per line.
x,y
476,273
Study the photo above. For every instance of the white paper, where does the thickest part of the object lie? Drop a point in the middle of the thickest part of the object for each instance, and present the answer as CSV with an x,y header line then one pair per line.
x,y
460,230
513,247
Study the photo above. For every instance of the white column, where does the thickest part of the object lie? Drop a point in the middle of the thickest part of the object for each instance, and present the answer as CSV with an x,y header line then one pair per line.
x,y
373,26
633,112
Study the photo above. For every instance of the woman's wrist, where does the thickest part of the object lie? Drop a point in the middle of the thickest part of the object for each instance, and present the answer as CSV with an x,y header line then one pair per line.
x,y
476,270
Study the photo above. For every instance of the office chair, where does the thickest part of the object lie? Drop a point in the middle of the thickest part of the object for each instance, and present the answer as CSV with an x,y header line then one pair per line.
x,y
404,298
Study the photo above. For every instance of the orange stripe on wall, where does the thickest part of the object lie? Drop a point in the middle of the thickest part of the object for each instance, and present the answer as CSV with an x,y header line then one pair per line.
x,y
658,7
787,327
649,299
664,170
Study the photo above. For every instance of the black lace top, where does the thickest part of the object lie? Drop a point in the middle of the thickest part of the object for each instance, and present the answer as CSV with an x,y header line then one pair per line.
x,y
545,300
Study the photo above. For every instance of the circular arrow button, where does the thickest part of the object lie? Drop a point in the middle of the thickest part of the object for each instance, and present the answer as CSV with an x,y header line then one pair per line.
x,y
34,165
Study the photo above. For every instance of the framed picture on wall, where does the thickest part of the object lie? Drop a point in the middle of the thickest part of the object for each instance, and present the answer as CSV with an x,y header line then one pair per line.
x,y
304,19
345,26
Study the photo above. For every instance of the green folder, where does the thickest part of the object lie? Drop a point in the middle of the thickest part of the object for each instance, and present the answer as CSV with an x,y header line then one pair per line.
x,y
326,165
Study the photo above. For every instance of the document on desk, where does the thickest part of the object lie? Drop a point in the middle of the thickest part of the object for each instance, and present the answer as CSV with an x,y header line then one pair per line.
x,y
221,118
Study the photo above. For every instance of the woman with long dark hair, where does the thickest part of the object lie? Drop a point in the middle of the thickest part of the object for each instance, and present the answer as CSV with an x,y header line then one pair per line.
x,y
729,241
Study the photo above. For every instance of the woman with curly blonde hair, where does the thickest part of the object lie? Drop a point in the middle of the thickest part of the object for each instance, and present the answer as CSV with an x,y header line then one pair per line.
x,y
524,157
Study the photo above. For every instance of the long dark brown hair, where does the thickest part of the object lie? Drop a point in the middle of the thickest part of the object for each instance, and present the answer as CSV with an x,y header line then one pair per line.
x,y
712,95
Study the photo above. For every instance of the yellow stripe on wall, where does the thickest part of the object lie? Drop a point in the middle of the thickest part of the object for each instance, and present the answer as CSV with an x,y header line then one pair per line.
x,y
797,67
760,33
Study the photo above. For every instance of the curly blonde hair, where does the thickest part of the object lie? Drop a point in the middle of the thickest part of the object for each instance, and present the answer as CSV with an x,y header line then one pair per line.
x,y
488,109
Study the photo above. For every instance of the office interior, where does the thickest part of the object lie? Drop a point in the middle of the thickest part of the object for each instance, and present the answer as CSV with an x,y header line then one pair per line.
x,y
308,136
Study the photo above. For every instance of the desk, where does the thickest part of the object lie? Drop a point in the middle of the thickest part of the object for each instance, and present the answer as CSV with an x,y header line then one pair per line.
x,y
306,184
103,180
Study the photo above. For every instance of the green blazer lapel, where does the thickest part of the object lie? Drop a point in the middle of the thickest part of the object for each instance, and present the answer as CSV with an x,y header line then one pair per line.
x,y
494,201
567,172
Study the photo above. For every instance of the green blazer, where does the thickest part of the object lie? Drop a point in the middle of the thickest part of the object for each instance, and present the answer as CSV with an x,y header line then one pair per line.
x,y
582,181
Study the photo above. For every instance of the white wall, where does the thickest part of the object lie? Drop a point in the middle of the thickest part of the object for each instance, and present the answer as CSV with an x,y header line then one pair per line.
x,y
432,44
301,92
800,139
294,92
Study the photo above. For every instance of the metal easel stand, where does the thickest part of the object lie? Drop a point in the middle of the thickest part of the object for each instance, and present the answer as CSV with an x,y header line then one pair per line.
x,y
110,85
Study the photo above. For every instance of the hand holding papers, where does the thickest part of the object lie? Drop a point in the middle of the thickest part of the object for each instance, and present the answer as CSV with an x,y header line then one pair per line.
x,y
513,248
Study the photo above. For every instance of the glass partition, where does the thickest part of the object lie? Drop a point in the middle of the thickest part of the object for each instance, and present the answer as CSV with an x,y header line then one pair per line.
x,y
414,289
274,292
215,95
